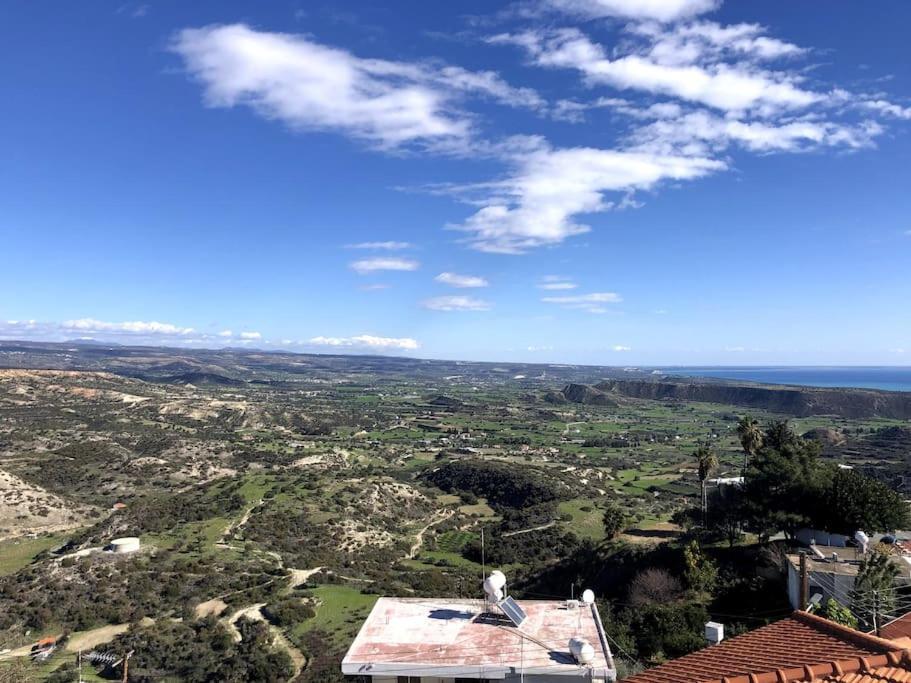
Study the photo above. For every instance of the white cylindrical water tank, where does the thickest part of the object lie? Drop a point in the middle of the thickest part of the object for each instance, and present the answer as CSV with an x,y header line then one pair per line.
x,y
581,650
493,585
128,544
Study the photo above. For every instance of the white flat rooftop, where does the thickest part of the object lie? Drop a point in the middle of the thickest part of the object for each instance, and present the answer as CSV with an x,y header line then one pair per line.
x,y
448,637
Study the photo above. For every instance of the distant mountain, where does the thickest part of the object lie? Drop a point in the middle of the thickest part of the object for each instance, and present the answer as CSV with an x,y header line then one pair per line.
x,y
90,342
202,379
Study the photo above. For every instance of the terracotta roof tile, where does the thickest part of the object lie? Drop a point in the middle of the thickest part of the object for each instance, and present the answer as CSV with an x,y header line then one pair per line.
x,y
898,628
803,647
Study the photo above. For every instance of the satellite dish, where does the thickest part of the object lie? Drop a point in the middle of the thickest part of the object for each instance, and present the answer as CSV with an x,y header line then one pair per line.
x,y
588,596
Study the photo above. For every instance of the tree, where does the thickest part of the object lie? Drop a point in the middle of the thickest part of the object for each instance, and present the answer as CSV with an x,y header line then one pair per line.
x,y
707,462
874,588
727,513
783,482
750,434
614,520
835,611
855,501
700,573
654,586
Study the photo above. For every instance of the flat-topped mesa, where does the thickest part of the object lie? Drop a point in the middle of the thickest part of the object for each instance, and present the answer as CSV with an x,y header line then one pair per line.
x,y
791,400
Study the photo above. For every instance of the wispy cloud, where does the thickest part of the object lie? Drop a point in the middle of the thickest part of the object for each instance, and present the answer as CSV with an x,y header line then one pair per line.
x,y
131,327
556,283
311,86
659,10
367,341
372,265
537,204
590,303
620,348
250,336
461,281
666,70
456,303
381,246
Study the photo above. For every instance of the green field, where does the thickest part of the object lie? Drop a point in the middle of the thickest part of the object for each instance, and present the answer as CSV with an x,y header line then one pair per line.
x,y
16,554
340,611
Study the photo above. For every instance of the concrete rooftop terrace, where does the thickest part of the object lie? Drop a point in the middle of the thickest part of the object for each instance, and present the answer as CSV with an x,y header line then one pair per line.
x,y
448,637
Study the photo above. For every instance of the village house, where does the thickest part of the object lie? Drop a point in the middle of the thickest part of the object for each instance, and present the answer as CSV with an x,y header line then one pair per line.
x,y
436,640
803,648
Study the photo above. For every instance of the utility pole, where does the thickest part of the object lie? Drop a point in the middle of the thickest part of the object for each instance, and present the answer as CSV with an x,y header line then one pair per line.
x,y
876,612
126,666
804,583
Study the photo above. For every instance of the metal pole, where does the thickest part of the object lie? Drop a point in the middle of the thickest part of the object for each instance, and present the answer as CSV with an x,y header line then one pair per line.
x,y
804,582
876,612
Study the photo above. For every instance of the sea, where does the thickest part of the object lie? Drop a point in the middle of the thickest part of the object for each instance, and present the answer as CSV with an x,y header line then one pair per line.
x,y
895,378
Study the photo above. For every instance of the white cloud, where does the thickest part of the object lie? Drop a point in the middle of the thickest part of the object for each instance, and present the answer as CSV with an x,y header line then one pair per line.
x,y
250,336
556,283
885,107
367,341
381,246
619,347
226,333
694,77
311,86
536,206
704,41
373,265
461,281
456,303
659,10
376,287
590,303
131,327
702,132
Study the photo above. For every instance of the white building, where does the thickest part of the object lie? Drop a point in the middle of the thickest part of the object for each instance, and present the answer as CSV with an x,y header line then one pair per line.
x,y
429,640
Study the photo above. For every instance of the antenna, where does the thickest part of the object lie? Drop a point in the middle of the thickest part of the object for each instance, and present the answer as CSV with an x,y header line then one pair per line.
x,y
483,567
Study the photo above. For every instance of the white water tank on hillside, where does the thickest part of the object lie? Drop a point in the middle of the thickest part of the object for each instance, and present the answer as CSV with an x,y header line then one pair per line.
x,y
127,544
581,650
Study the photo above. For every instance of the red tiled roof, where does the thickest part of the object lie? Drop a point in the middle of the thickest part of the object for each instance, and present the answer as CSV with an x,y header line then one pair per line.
x,y
897,628
803,647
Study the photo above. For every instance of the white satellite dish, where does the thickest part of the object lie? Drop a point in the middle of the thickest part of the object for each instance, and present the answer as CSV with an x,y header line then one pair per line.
x,y
588,596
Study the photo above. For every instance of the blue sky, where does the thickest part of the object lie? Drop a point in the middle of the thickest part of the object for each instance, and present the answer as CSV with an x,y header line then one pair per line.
x,y
590,181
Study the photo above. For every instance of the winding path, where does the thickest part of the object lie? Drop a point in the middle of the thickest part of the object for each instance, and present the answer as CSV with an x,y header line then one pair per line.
x,y
419,540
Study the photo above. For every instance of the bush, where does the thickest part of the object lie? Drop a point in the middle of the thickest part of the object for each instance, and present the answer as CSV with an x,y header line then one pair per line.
x,y
287,612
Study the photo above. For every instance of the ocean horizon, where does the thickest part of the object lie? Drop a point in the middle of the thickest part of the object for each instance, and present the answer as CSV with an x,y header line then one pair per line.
x,y
885,378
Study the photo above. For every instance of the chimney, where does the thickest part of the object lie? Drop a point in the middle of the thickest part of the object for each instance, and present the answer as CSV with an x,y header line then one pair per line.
x,y
714,632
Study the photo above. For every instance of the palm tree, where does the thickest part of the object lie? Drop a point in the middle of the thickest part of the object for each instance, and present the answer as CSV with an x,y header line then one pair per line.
x,y
707,462
750,434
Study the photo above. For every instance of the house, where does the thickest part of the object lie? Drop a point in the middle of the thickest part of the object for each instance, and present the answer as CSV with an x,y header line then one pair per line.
x,y
802,648
434,640
832,571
